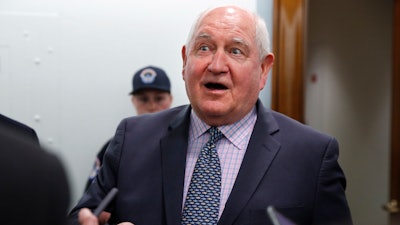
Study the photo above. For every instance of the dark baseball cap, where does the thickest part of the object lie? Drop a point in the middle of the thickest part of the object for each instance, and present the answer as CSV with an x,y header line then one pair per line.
x,y
150,77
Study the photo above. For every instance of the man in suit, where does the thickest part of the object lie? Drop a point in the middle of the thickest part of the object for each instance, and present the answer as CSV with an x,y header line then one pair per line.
x,y
33,184
263,158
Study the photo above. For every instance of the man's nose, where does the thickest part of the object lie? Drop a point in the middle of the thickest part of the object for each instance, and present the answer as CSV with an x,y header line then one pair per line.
x,y
218,62
152,106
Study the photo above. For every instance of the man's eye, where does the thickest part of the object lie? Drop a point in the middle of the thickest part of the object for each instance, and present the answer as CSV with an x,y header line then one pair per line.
x,y
144,100
236,51
159,99
204,48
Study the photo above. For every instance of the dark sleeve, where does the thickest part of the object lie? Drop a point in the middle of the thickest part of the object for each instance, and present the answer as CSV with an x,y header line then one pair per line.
x,y
34,187
331,204
106,178
58,191
96,165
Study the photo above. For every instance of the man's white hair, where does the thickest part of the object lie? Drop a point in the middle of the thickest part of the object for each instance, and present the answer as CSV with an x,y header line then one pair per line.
x,y
261,36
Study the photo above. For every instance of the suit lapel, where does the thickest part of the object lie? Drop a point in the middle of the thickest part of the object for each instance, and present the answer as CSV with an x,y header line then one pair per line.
x,y
259,155
173,149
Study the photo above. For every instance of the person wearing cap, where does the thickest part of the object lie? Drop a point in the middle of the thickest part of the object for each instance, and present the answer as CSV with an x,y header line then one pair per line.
x,y
151,92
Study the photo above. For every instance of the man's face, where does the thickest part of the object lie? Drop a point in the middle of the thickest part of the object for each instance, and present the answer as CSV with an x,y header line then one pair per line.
x,y
151,100
222,71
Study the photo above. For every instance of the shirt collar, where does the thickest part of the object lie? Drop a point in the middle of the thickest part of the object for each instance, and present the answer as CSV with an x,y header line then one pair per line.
x,y
237,133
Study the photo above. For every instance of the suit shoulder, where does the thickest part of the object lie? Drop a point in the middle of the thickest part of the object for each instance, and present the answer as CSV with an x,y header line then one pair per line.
x,y
158,120
162,115
287,124
18,128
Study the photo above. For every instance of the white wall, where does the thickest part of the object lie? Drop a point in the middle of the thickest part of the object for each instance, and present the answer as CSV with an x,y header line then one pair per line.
x,y
265,8
66,66
350,53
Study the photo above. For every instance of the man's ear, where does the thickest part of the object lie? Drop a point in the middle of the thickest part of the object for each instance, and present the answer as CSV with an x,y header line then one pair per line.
x,y
266,66
184,59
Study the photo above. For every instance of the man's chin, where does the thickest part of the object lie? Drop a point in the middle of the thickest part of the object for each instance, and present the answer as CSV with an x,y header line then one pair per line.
x,y
214,108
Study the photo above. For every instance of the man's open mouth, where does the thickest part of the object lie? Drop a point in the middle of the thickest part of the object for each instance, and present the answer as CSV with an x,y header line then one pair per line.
x,y
215,86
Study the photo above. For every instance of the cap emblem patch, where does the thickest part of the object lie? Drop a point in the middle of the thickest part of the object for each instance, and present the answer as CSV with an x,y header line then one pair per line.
x,y
148,76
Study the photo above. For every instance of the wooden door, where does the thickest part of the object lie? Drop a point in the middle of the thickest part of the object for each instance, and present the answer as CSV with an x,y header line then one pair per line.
x,y
287,81
288,47
393,206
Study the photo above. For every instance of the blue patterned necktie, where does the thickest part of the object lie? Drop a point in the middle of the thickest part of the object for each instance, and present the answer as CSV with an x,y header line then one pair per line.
x,y
203,197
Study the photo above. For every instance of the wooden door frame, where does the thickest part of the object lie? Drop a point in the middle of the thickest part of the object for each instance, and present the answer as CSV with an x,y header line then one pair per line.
x,y
287,75
288,70
395,129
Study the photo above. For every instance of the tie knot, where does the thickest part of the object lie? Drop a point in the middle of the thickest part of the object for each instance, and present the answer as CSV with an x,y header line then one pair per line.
x,y
216,134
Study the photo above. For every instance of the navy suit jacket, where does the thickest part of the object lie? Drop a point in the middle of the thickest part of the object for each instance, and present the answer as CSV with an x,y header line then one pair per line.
x,y
287,165
34,187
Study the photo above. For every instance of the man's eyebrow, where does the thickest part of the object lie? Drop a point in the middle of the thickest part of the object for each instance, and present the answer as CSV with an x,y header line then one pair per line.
x,y
240,41
203,36
236,40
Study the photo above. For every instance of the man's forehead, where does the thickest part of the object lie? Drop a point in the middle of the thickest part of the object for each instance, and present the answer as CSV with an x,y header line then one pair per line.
x,y
226,19
233,40
231,13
